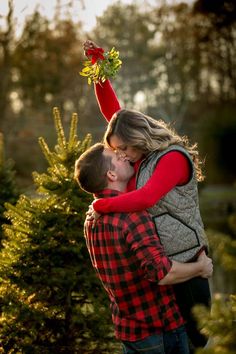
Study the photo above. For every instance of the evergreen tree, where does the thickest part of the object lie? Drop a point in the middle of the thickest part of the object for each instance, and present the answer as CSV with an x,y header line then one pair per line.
x,y
51,299
8,191
220,324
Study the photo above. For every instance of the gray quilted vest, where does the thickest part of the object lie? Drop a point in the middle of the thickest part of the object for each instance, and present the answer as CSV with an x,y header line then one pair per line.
x,y
176,216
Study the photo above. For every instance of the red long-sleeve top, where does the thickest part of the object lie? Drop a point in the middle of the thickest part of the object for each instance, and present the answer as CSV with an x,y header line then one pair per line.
x,y
107,99
172,170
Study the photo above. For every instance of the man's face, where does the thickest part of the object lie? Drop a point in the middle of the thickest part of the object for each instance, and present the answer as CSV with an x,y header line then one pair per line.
x,y
122,167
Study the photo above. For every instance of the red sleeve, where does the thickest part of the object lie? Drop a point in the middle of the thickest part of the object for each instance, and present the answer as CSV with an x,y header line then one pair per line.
x,y
173,169
107,99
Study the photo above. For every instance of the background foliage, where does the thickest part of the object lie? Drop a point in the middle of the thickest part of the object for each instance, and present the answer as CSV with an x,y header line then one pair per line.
x,y
178,64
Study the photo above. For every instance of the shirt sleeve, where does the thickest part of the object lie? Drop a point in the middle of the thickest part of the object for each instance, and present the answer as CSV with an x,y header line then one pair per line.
x,y
145,244
173,169
107,100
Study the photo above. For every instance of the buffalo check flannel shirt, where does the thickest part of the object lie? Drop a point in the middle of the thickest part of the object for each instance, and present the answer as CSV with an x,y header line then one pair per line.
x,y
129,260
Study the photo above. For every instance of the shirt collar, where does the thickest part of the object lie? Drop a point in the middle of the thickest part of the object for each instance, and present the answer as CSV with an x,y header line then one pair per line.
x,y
107,193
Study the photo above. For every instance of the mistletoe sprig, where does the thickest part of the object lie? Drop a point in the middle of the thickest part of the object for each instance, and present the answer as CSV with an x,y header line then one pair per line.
x,y
101,66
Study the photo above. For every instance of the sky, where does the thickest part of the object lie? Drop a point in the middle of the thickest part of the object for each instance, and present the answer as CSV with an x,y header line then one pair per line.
x,y
84,10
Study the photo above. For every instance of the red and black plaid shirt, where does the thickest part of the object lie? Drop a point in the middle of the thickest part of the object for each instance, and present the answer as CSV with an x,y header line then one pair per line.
x,y
129,259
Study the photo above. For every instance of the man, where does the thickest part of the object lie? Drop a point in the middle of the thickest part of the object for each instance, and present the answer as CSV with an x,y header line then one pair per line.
x,y
130,262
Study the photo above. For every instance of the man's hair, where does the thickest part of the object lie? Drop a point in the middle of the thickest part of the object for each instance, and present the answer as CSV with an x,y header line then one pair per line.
x,y
91,169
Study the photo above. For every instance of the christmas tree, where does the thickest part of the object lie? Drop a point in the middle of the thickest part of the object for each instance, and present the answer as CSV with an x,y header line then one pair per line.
x,y
8,191
220,324
51,299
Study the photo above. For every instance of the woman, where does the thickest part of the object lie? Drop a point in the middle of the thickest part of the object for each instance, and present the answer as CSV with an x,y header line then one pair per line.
x,y
167,172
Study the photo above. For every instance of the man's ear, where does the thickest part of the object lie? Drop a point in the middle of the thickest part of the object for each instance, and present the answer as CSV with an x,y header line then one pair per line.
x,y
111,175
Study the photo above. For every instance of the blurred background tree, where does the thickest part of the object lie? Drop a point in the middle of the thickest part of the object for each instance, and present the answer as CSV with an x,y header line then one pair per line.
x,y
179,63
219,324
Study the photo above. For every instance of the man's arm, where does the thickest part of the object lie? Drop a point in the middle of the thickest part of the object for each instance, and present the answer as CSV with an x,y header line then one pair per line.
x,y
157,267
181,272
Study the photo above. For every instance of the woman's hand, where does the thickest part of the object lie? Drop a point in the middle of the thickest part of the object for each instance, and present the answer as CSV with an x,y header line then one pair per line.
x,y
92,215
89,45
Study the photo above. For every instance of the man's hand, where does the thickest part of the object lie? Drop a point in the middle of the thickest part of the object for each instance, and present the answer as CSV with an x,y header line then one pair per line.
x,y
206,265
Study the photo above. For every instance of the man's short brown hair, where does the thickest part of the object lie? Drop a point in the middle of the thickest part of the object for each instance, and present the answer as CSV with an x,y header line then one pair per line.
x,y
91,169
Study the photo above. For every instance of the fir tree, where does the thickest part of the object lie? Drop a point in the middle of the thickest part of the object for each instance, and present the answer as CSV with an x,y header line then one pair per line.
x,y
220,324
8,188
52,301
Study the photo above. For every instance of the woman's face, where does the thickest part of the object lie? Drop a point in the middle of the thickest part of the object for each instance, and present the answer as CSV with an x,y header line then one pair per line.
x,y
130,153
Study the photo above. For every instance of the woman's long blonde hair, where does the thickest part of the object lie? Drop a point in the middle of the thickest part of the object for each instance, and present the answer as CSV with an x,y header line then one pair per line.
x,y
147,134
